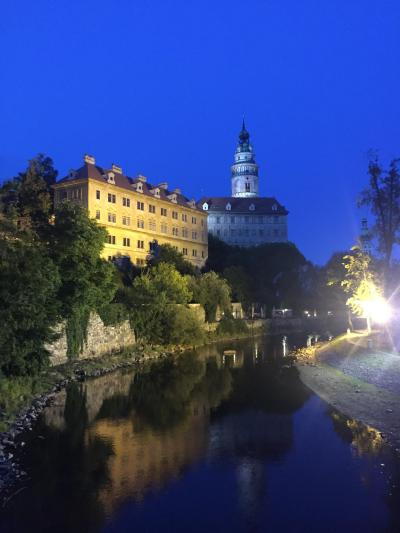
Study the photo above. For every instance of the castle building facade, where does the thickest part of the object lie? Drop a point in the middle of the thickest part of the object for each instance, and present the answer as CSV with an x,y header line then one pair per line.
x,y
245,218
136,214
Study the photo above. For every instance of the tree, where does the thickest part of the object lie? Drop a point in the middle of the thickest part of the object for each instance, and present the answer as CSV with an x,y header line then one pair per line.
x,y
362,283
87,281
152,302
28,198
240,285
29,282
383,198
274,271
165,253
211,291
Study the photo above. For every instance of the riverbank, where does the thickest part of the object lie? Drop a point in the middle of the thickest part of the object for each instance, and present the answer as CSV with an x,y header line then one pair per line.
x,y
22,399
359,380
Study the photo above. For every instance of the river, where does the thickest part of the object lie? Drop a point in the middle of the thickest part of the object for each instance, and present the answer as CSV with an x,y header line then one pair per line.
x,y
206,442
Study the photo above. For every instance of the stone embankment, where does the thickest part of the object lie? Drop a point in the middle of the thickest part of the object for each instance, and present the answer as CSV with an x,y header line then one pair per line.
x,y
358,380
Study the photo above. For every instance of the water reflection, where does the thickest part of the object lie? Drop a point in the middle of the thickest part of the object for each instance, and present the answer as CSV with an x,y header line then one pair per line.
x,y
128,438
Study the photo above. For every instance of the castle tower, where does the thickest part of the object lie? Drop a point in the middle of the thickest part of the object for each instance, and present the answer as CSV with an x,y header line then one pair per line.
x,y
244,170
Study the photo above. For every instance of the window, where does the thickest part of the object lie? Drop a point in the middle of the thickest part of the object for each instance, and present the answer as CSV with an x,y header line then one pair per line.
x,y
184,217
126,221
194,221
175,231
247,186
184,232
218,220
152,208
233,220
276,233
261,232
97,195
140,245
97,215
164,228
276,219
163,212
112,218
194,253
140,206
126,202
140,262
140,223
194,235
202,254
219,232
184,251
111,239
175,215
126,241
152,225
111,198
202,223
247,220
260,220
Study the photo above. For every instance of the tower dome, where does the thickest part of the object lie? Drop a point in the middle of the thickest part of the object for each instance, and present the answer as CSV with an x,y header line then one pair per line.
x,y
244,171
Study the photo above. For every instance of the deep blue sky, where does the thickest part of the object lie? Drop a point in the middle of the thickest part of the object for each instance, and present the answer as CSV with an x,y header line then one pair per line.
x,y
160,88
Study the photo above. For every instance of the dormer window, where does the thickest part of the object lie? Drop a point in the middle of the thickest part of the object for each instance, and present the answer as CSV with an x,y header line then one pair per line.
x,y
173,198
228,206
274,207
252,207
111,177
157,192
205,206
139,187
247,186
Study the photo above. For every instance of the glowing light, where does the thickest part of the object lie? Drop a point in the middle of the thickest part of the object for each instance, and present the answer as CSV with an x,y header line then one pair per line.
x,y
377,309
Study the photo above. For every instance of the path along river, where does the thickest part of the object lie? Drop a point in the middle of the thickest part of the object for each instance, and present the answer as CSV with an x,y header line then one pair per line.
x,y
205,442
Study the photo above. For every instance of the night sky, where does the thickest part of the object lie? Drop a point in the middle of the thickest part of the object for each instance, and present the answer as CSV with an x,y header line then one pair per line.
x,y
160,87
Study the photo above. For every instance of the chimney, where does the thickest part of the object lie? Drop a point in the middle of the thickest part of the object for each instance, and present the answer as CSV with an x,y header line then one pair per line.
x,y
116,168
163,185
177,191
141,178
89,159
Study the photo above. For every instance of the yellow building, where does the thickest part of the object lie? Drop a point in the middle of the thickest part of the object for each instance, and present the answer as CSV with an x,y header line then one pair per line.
x,y
137,215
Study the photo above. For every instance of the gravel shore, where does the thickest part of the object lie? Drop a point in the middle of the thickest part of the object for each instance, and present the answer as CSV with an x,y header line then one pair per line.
x,y
361,382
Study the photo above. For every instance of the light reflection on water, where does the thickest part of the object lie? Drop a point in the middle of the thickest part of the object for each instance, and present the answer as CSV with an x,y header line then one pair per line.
x,y
209,441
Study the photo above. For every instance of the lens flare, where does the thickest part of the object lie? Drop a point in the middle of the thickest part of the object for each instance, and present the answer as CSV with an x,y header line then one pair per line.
x,y
378,310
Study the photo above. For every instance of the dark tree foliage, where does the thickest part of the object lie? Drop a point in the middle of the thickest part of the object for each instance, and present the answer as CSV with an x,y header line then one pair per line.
x,y
272,274
165,253
28,198
382,196
87,281
29,282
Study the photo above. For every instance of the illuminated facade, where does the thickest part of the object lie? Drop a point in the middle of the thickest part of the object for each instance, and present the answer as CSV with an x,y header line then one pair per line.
x,y
245,218
136,214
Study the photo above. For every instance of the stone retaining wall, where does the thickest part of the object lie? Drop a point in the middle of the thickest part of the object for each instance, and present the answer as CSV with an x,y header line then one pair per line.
x,y
101,340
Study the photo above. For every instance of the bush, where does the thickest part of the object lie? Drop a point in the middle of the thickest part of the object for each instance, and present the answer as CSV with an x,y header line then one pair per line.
x,y
232,326
185,327
113,314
